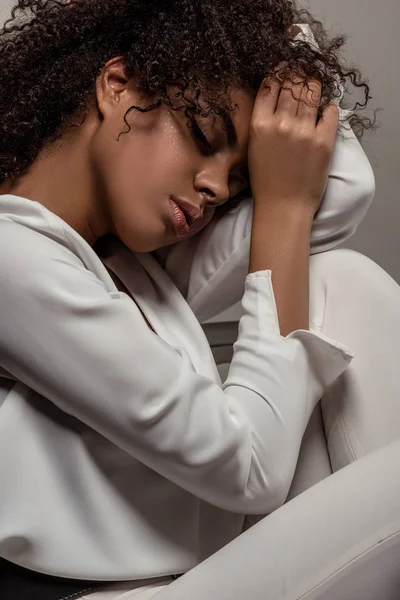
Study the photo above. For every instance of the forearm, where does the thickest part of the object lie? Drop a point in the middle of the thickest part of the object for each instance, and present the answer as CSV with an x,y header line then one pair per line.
x,y
280,241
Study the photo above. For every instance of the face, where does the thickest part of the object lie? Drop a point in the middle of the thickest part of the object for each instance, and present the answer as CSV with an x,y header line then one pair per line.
x,y
159,158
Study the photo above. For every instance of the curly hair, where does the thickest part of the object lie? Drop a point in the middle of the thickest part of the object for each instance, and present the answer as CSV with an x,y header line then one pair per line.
x,y
52,51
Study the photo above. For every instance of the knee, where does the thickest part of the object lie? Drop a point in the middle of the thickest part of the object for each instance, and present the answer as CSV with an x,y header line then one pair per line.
x,y
347,267
342,280
340,260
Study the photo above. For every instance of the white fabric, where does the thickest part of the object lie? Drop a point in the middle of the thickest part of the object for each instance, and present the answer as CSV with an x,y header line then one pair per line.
x,y
354,299
139,460
313,463
126,590
341,539
361,410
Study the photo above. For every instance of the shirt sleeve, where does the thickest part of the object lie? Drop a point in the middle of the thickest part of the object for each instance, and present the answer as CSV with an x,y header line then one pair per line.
x,y
89,352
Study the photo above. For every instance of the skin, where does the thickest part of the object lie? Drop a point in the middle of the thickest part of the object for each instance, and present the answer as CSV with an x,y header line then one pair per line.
x,y
99,185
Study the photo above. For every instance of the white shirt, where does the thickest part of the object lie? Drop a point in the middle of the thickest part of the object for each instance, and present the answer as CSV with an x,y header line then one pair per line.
x,y
122,456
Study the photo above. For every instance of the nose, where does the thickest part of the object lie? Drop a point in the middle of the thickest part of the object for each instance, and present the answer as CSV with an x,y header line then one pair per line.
x,y
214,184
211,199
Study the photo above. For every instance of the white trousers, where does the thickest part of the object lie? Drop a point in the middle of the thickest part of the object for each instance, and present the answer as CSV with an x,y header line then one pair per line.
x,y
340,539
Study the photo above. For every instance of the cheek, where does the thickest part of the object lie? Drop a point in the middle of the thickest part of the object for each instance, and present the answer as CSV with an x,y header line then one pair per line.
x,y
149,167
136,175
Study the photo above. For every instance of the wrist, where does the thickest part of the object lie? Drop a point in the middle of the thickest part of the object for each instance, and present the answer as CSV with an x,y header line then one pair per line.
x,y
279,232
291,214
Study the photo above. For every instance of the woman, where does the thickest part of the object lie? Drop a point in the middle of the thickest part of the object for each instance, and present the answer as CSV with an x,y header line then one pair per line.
x,y
124,458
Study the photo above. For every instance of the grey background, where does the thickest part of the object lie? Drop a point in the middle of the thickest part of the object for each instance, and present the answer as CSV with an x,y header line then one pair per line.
x,y
374,46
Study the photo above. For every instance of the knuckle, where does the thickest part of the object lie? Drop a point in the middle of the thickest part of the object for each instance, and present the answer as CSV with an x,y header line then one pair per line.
x,y
283,127
260,127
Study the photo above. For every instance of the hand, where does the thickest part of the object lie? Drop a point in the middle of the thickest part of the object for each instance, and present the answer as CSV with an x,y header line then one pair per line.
x,y
289,153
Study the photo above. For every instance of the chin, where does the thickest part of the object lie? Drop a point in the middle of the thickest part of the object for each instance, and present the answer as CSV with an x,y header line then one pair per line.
x,y
148,244
144,247
140,239
149,241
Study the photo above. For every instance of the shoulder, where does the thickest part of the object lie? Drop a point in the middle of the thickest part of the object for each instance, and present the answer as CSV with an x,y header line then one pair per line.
x,y
24,249
38,265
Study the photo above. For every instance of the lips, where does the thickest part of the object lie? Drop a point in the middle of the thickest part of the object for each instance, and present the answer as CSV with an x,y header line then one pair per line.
x,y
191,212
178,219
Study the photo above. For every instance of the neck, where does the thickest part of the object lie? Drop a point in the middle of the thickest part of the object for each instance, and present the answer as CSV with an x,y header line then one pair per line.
x,y
60,179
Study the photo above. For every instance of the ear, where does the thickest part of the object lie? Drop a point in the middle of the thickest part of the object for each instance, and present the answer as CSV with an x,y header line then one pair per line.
x,y
112,86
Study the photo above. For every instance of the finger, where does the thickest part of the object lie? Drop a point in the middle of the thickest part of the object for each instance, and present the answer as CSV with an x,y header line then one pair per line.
x,y
290,95
328,123
268,94
267,98
310,101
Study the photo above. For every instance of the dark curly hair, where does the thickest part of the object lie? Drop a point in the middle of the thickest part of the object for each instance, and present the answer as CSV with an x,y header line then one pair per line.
x,y
51,52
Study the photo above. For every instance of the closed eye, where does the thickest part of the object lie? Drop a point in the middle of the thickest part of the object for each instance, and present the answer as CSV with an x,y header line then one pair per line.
x,y
200,136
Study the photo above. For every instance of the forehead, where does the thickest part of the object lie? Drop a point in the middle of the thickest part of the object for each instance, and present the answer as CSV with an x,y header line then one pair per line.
x,y
241,116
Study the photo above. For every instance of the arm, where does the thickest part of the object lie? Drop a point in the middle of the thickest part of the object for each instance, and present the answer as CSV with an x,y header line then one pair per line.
x,y
90,353
280,241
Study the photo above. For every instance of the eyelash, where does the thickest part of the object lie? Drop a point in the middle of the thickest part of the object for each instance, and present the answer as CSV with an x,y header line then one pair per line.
x,y
200,136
